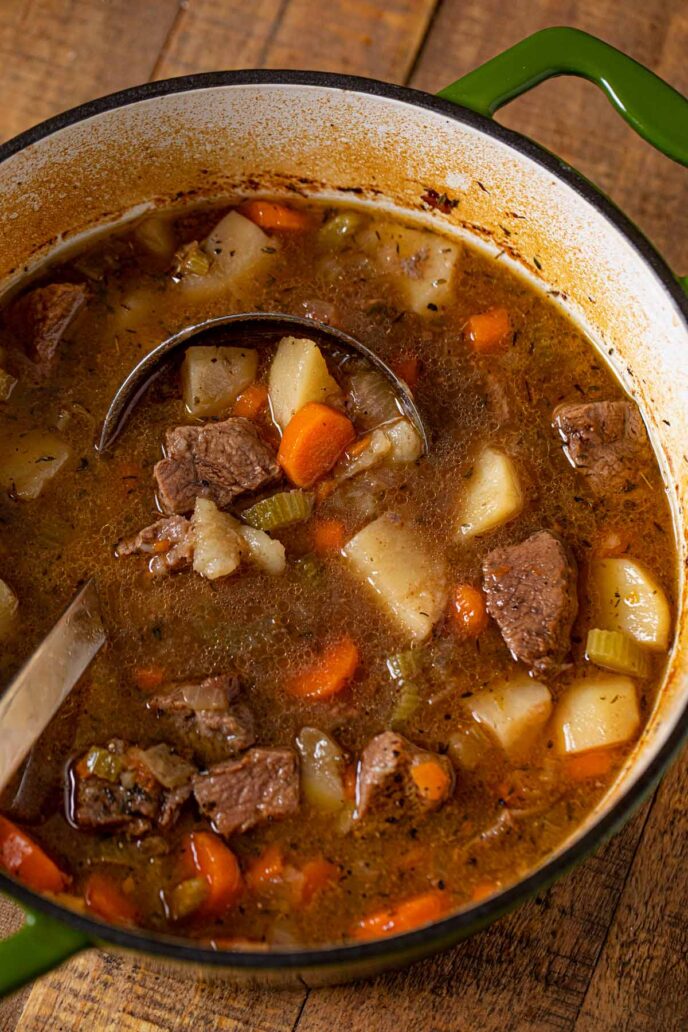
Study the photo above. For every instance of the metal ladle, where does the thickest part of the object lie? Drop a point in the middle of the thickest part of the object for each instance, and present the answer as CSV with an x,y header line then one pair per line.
x,y
248,329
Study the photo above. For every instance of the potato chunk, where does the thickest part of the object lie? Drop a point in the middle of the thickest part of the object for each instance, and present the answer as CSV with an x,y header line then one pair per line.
x,y
422,264
298,375
493,495
218,546
240,254
30,461
514,711
322,763
596,713
626,597
409,582
9,605
213,378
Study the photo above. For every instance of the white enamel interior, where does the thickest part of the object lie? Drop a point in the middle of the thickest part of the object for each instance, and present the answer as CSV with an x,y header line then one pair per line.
x,y
325,141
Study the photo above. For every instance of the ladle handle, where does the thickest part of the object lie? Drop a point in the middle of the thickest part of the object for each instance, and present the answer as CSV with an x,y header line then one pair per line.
x,y
39,945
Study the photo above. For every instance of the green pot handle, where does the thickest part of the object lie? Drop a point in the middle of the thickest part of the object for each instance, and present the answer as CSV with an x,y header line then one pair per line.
x,y
656,111
652,107
40,944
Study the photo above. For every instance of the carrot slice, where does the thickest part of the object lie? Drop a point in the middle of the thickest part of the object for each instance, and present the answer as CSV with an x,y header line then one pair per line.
x,y
208,856
407,368
252,401
271,215
318,874
328,674
149,678
468,611
266,869
24,858
105,897
488,331
312,442
431,779
328,536
404,917
483,889
593,764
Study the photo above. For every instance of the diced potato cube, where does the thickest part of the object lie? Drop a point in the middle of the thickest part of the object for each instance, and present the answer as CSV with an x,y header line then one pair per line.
x,y
265,552
409,582
9,605
406,444
298,375
213,378
218,546
595,713
30,461
626,597
423,264
322,762
240,253
493,495
515,712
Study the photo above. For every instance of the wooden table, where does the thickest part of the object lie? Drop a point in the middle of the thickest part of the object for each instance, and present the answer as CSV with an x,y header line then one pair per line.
x,y
607,947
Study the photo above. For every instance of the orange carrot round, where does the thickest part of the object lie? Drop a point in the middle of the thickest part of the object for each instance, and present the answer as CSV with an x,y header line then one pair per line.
x,y
252,401
404,917
312,442
431,779
468,611
328,674
149,678
274,216
328,536
489,330
318,874
596,763
265,870
105,898
24,858
207,855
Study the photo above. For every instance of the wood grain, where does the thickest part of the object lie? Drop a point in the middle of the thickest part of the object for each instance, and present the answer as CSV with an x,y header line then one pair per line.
x,y
605,949
361,37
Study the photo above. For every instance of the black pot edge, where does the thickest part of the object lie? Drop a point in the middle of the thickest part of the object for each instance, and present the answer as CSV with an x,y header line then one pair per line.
x,y
381,953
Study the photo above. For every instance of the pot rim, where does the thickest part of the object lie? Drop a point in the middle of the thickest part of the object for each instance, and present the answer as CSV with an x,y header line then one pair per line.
x,y
449,930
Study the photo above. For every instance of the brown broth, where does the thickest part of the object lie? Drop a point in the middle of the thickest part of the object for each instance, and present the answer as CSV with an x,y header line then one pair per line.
x,y
502,820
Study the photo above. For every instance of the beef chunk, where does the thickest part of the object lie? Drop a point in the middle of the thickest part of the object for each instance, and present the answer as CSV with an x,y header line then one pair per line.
x,y
261,786
603,439
531,593
41,318
217,460
125,788
206,713
386,786
169,542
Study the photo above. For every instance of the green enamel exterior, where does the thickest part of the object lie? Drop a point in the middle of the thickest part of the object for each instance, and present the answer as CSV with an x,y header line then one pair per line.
x,y
39,945
653,108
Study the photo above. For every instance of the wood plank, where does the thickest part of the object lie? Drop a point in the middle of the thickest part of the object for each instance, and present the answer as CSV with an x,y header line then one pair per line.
x,y
639,984
361,37
106,993
57,53
529,971
11,919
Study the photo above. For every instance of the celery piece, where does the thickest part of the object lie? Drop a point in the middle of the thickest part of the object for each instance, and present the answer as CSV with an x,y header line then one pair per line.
x,y
103,764
280,510
616,651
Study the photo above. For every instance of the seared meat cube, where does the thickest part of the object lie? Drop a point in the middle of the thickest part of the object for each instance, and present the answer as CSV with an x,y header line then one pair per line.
x,y
603,439
169,542
218,461
41,318
263,785
531,594
208,715
130,789
391,783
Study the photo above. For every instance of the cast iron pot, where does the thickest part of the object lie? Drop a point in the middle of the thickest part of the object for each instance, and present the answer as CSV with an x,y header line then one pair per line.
x,y
339,138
